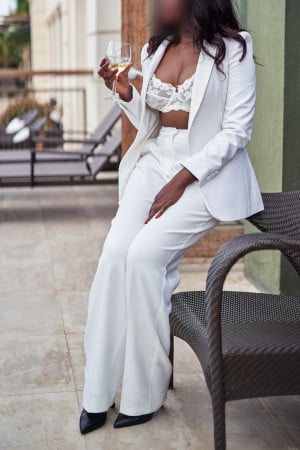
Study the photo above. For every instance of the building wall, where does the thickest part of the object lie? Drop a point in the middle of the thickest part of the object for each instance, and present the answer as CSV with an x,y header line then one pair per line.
x,y
274,149
135,30
266,146
241,6
73,34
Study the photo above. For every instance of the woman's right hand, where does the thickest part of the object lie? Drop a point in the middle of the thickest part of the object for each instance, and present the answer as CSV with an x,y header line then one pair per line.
x,y
123,87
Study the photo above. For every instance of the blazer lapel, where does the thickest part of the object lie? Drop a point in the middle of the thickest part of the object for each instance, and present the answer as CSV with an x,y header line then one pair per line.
x,y
203,72
157,57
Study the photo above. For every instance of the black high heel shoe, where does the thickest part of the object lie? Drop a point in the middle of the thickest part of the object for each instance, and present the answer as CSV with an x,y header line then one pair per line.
x,y
92,421
123,420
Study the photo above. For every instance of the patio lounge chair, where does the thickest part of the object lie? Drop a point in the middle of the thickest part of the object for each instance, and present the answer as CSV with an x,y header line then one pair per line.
x,y
8,133
58,169
248,344
88,145
55,165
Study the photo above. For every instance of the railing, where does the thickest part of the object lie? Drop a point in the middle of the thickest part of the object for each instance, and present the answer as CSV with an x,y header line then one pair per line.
x,y
70,102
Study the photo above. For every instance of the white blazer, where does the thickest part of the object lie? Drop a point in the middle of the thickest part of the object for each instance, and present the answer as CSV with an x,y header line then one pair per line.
x,y
219,129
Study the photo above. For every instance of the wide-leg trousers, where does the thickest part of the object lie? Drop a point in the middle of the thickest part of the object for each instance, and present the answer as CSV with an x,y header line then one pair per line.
x,y
127,335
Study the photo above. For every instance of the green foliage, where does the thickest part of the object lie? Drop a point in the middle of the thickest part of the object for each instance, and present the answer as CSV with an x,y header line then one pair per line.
x,y
21,106
12,43
22,6
11,48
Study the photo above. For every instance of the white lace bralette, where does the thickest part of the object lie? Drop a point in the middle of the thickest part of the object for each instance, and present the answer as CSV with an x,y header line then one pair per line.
x,y
165,97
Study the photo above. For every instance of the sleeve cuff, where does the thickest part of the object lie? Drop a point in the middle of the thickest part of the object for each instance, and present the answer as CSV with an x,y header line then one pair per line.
x,y
190,169
124,102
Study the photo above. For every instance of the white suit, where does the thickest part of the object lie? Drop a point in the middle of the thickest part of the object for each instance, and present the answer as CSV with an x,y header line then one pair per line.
x,y
219,129
127,331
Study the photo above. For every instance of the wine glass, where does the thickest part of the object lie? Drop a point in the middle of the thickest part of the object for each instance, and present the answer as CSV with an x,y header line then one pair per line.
x,y
118,55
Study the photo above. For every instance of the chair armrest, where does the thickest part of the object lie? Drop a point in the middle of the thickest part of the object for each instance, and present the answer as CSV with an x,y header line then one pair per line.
x,y
238,247
227,256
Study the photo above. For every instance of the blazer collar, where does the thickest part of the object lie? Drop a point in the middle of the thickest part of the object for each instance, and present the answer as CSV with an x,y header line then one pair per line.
x,y
203,72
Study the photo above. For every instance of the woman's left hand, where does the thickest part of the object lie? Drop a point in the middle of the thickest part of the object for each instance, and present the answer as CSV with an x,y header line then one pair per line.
x,y
170,193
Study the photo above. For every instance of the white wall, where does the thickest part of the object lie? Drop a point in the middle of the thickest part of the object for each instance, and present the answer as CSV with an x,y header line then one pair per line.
x,y
73,34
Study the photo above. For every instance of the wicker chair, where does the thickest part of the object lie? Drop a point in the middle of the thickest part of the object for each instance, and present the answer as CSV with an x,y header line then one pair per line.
x,y
248,344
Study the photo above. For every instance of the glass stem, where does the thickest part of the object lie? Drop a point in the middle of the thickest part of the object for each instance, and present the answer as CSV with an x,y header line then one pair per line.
x,y
114,89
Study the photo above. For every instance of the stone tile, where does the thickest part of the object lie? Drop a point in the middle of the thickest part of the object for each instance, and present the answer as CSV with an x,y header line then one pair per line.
x,y
248,425
30,314
74,305
20,208
74,274
35,364
76,348
25,238
40,422
286,411
65,248
66,230
53,239
24,275
158,434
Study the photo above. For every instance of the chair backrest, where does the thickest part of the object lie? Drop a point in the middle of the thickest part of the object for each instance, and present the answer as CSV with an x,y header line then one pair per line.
x,y
110,147
103,129
282,216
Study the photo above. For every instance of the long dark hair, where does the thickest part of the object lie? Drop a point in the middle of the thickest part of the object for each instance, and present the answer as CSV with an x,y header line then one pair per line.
x,y
211,21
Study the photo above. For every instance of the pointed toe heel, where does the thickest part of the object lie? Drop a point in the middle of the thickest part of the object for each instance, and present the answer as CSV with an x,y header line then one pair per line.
x,y
123,420
91,421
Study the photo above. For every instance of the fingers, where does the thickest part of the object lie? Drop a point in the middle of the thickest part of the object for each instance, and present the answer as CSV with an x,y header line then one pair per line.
x,y
109,75
126,70
105,72
156,211
160,212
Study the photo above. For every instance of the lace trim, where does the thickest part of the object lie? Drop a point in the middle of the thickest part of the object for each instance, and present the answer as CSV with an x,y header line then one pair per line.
x,y
158,81
166,97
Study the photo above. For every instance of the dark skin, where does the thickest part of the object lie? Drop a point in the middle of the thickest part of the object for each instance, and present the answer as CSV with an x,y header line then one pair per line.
x,y
178,64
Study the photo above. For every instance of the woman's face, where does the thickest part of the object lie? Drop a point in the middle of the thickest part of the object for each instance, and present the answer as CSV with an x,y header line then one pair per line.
x,y
170,12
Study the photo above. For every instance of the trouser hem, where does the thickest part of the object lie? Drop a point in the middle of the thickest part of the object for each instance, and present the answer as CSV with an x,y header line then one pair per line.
x,y
92,405
139,412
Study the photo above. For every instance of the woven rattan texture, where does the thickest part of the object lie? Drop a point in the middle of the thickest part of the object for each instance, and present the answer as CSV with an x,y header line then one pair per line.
x,y
281,215
260,337
248,344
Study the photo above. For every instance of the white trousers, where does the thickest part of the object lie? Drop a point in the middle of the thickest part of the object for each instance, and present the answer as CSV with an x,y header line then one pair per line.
x,y
127,331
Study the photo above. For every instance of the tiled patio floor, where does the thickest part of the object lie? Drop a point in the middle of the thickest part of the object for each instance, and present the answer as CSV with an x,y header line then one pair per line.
x,y
50,243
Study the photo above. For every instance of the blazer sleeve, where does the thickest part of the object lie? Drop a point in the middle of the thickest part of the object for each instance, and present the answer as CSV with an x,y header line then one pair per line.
x,y
238,115
133,108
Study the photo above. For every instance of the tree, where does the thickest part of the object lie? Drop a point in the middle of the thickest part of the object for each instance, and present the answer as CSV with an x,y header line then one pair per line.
x,y
22,6
14,38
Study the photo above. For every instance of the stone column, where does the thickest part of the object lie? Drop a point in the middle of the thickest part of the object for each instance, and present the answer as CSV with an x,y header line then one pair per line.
x,y
135,29
274,150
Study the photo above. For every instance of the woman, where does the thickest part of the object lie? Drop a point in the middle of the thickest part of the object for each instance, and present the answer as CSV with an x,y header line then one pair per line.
x,y
187,170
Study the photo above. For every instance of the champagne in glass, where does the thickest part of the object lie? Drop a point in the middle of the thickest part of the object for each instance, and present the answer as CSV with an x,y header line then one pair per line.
x,y
118,55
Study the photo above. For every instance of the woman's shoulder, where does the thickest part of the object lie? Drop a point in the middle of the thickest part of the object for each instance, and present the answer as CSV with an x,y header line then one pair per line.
x,y
231,42
234,46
